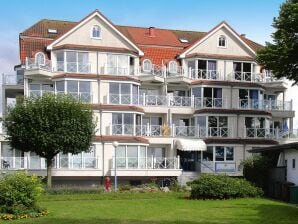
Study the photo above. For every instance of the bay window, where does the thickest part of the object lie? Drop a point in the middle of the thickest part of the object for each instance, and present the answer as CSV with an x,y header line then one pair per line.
x,y
131,156
117,64
123,93
80,90
213,126
203,69
257,127
242,71
38,89
208,97
123,123
73,61
250,98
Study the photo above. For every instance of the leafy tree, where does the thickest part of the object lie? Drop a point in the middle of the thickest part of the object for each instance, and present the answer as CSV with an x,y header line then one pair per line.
x,y
49,125
281,56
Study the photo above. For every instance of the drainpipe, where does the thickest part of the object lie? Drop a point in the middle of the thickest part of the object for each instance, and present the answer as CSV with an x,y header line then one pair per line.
x,y
103,162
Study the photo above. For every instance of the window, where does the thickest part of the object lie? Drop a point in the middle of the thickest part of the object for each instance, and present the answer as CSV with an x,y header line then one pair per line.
x,y
131,156
224,153
117,64
96,32
222,41
80,90
173,67
242,71
147,65
72,61
40,58
123,93
122,124
294,163
208,154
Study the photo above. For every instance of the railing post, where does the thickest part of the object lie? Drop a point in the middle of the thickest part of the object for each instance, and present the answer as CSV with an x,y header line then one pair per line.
x,y
173,130
277,133
244,132
178,162
291,105
192,101
152,165
165,163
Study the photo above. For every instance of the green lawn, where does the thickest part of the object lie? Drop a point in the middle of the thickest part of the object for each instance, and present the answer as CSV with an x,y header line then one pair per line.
x,y
160,208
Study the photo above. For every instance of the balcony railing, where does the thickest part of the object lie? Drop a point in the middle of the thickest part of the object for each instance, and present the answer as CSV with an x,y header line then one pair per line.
x,y
31,64
12,79
155,70
201,132
72,67
157,163
38,163
203,74
168,101
265,104
84,97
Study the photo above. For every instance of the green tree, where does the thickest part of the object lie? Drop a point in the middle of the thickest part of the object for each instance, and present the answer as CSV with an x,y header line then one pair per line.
x,y
49,125
281,56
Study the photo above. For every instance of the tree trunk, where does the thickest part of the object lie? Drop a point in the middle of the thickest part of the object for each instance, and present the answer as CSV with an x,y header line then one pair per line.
x,y
49,173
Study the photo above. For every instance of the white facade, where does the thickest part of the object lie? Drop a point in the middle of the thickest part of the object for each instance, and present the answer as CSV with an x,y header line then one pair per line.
x,y
291,158
212,91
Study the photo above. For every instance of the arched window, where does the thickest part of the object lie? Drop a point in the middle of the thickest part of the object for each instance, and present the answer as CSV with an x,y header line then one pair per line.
x,y
147,65
96,32
173,67
40,58
222,42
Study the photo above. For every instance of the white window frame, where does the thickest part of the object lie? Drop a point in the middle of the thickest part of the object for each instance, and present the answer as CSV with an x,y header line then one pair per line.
x,y
219,39
173,63
44,58
100,32
151,65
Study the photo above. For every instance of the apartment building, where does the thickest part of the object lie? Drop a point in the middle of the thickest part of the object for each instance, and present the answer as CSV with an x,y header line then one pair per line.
x,y
180,103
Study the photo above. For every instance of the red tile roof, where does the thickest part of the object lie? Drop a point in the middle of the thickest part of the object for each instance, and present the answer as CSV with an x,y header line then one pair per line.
x,y
164,45
160,55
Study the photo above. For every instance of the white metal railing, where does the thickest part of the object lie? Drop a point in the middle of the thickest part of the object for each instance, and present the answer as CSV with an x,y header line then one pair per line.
x,y
75,67
38,163
155,70
114,70
178,71
210,102
169,101
201,132
245,76
13,163
265,104
203,74
31,64
259,133
84,97
158,163
12,79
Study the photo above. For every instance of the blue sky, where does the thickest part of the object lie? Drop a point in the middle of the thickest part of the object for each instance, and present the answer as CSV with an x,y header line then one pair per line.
x,y
252,17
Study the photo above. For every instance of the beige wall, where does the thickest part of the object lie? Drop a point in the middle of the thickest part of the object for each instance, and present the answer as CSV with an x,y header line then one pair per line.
x,y
210,45
81,36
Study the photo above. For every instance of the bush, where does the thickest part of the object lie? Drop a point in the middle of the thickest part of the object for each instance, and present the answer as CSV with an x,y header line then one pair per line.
x,y
256,168
222,187
19,194
65,189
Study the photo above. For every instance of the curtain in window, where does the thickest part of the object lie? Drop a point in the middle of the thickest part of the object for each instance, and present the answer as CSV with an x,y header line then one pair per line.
x,y
212,69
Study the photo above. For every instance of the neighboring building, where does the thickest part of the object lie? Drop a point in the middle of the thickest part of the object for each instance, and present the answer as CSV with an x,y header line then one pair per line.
x,y
288,157
180,103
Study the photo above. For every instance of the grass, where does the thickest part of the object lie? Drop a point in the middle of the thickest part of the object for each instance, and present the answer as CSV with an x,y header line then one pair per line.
x,y
158,208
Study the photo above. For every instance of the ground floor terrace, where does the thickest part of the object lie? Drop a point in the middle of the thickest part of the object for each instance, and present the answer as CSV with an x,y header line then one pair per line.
x,y
133,162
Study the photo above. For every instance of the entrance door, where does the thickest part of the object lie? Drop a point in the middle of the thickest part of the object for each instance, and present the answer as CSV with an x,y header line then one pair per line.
x,y
188,160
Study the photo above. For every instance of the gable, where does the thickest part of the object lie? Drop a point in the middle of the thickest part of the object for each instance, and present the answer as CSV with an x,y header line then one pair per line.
x,y
82,36
233,45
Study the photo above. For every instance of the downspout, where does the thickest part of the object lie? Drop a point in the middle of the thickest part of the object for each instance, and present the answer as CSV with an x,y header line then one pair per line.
x,y
103,162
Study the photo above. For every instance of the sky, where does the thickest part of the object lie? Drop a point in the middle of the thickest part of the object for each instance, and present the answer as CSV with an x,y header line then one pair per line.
x,y
251,17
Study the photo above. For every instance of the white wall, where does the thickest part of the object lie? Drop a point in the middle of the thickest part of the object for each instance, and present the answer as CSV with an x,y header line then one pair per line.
x,y
292,173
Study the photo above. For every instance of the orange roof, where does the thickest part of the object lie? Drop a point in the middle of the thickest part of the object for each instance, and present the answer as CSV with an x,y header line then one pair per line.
x,y
161,47
160,55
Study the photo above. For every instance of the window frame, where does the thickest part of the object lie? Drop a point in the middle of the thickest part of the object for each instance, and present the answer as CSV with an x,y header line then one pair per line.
x,y
221,38
99,30
143,65
44,58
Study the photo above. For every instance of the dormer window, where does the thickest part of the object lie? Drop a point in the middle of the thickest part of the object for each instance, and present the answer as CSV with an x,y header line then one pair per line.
x,y
173,67
96,32
222,42
147,65
40,58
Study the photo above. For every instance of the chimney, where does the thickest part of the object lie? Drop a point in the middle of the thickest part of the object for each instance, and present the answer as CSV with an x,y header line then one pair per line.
x,y
151,31
243,35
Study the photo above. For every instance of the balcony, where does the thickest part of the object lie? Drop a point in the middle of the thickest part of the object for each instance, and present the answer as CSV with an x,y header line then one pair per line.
x,y
265,104
202,74
31,64
37,163
169,131
12,79
84,97
167,101
72,67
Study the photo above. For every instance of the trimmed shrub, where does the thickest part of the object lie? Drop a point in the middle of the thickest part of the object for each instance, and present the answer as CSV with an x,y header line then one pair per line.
x,y
19,194
66,189
222,187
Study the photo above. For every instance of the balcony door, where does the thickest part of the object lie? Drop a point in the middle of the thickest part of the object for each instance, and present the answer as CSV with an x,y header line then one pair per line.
x,y
242,71
212,97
